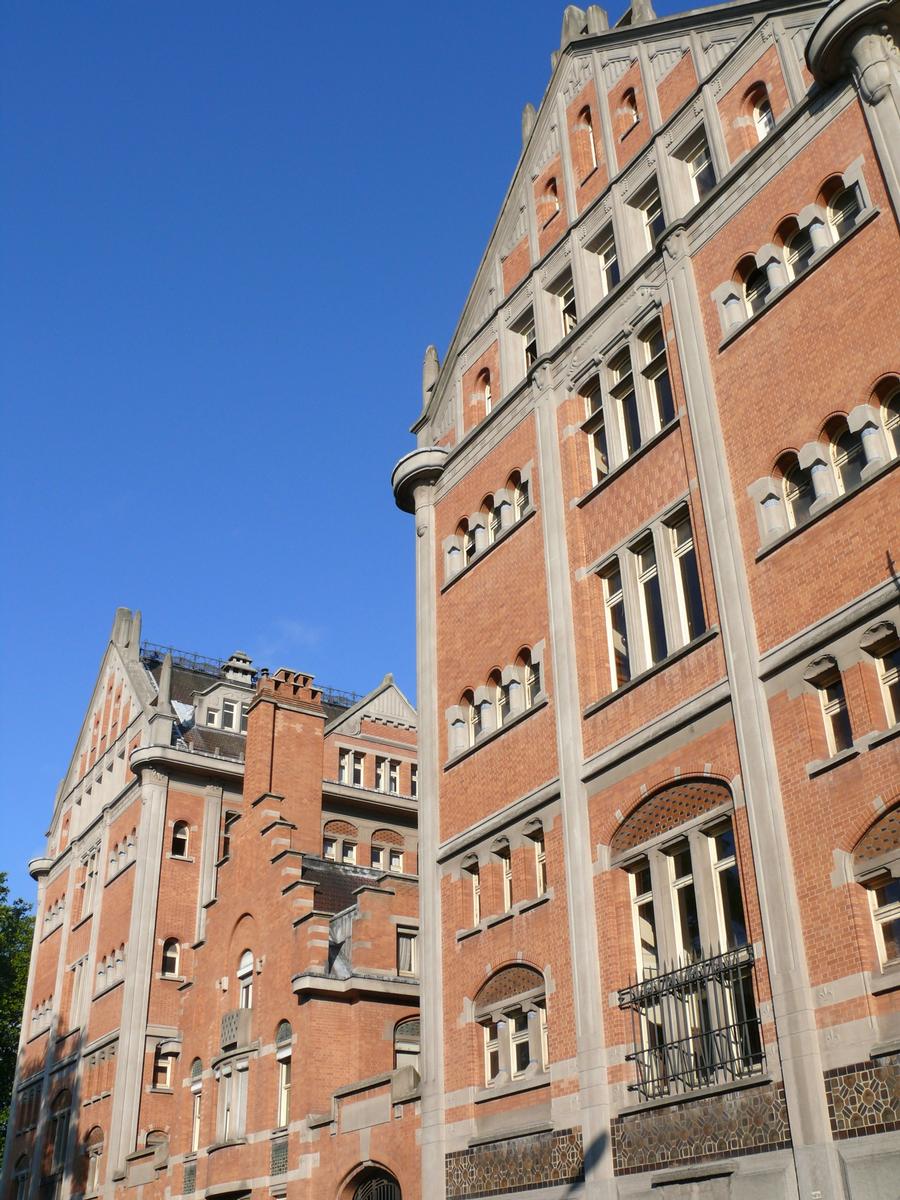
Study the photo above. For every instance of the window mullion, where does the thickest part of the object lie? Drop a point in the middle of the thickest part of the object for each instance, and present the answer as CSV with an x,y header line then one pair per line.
x,y
676,631
704,893
663,908
634,612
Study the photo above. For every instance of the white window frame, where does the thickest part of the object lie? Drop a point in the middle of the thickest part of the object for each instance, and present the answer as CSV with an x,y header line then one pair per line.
x,y
408,936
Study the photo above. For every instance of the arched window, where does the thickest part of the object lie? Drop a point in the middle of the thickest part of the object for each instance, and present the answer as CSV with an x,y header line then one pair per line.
x,y
799,250
500,691
876,866
379,1186
847,455
756,289
156,1137
629,109
21,1177
171,957
196,1103
797,489
59,1130
245,980
406,1043
551,200
180,838
94,1151
518,488
844,210
586,122
530,669
677,844
891,418
283,1036
511,1009
467,541
483,386
761,111
491,509
472,717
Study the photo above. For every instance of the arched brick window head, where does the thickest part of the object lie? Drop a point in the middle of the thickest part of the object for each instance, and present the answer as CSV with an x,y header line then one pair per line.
x,y
180,839
511,1009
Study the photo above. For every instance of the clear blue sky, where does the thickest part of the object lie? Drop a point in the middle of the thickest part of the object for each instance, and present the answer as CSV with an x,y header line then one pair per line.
x,y
228,232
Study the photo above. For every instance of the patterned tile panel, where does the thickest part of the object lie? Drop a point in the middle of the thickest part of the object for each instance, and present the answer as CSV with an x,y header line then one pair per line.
x,y
864,1097
883,837
278,1156
190,1178
666,810
751,1121
511,981
541,1160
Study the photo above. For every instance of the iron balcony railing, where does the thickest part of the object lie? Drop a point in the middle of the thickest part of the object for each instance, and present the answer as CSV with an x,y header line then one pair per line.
x,y
695,1025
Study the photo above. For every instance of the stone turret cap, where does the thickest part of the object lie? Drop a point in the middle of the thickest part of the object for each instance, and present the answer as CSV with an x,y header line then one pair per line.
x,y
826,50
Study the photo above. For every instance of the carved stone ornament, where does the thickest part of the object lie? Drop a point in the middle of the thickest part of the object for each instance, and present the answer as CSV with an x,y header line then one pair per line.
x,y
677,245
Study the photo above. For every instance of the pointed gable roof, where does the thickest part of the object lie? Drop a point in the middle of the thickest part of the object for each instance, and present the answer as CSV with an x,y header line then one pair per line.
x,y
385,703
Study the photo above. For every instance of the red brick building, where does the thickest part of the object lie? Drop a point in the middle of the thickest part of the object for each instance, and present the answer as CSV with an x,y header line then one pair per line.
x,y
223,993
656,514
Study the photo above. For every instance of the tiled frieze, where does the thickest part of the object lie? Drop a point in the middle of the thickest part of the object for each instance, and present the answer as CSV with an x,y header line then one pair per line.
x,y
540,1160
746,1122
864,1098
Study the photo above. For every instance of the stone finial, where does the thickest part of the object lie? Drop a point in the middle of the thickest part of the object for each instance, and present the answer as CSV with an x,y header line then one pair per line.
x,y
574,25
126,633
529,116
641,10
431,368
164,699
597,19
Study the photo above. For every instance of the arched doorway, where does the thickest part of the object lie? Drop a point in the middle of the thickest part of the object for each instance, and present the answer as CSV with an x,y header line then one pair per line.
x,y
378,1187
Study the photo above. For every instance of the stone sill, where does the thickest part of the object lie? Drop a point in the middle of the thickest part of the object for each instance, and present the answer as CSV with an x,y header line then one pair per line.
x,y
119,873
179,857
865,218
617,471
530,1083
719,1089
835,503
820,766
522,906
637,680
238,1141
593,171
109,988
883,735
495,733
483,553
885,980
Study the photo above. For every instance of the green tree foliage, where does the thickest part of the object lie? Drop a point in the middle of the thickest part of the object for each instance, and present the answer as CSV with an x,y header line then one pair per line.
x,y
16,925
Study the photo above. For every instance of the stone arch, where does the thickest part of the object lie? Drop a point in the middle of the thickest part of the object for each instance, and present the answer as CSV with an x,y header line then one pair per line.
x,y
668,807
514,979
370,1181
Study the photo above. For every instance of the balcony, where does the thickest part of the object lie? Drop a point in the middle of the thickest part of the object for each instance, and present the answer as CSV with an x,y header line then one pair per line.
x,y
695,1026
236,1026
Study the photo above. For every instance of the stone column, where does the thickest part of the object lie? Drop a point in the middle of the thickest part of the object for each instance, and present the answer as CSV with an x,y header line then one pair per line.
x,y
859,38
414,480
587,988
818,1168
138,965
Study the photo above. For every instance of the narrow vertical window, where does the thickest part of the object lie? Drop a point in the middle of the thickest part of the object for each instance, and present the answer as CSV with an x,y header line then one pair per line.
x,y
687,924
646,944
505,859
245,980
595,428
568,307
329,848
732,924
283,1114
474,872
229,714
358,760
586,121
838,732
406,952
414,780
540,860
848,457
180,834
756,290
656,372
622,391
344,766
171,956
245,717
616,626
605,249
381,774
395,861
885,900
798,493
651,602
650,207
394,777
763,118
889,674
348,853
844,210
687,579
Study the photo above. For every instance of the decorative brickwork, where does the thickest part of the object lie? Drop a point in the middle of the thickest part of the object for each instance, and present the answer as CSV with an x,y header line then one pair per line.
x,y
666,810
864,1097
513,981
541,1160
343,828
882,838
746,1122
389,837
190,1178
